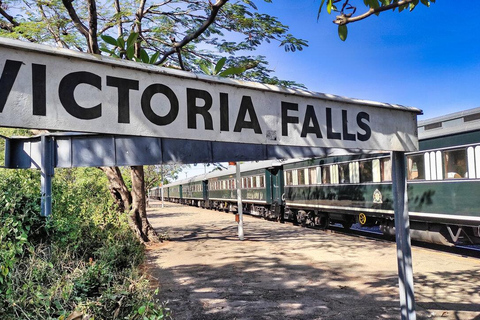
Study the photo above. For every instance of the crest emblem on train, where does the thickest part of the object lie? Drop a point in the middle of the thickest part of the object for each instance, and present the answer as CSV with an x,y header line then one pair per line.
x,y
377,196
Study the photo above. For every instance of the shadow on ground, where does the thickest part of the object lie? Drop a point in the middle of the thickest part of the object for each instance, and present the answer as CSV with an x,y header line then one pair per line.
x,y
286,272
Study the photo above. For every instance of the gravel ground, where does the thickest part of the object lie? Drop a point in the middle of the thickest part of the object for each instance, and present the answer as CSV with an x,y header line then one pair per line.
x,y
281,271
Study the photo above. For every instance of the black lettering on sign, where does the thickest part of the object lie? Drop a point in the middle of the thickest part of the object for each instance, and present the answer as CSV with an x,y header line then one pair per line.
x,y
224,115
310,116
39,89
346,135
362,121
66,91
286,119
124,86
147,95
247,106
193,109
330,133
9,74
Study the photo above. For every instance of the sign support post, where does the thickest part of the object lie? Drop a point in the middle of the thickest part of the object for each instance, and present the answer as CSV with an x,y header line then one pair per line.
x,y
402,234
46,171
239,203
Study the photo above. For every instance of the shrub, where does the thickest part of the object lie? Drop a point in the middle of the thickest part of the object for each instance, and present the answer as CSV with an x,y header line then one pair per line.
x,y
83,260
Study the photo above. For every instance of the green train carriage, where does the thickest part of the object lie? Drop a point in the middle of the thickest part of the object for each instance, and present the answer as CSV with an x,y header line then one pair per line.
x,y
443,185
261,187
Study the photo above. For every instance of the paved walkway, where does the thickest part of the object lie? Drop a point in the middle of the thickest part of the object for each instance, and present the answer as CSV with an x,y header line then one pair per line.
x,y
282,271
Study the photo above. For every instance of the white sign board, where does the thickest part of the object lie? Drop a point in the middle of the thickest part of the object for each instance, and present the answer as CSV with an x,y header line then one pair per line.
x,y
47,88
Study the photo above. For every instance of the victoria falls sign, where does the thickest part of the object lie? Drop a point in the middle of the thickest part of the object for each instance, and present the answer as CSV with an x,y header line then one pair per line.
x,y
47,88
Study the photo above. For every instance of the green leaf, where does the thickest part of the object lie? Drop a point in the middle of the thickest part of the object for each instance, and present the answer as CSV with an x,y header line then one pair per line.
x,y
342,32
141,310
425,2
109,40
232,71
220,65
205,69
329,6
106,50
130,52
144,56
320,9
154,57
132,38
121,42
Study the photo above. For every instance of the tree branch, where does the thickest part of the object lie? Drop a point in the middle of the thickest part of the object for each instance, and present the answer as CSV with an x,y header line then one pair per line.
x,y
138,25
55,35
178,45
344,19
92,32
8,17
119,22
76,20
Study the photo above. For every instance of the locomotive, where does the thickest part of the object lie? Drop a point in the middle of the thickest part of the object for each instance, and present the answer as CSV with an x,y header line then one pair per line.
x,y
443,185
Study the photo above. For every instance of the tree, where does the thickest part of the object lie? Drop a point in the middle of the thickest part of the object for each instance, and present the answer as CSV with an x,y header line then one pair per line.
x,y
347,12
161,174
182,34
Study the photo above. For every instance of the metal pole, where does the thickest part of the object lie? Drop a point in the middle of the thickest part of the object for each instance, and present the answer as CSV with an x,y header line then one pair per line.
x,y
402,234
161,187
47,171
239,203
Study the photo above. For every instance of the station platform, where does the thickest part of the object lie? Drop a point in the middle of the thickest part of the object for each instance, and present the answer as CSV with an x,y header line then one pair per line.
x,y
281,271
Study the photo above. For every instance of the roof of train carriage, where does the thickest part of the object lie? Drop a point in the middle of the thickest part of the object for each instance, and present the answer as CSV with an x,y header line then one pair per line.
x,y
244,167
447,125
453,123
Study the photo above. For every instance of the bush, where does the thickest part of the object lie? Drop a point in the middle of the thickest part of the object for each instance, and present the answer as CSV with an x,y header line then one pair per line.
x,y
81,261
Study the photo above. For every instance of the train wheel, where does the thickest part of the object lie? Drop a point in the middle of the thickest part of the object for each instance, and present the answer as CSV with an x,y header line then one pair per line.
x,y
362,219
322,221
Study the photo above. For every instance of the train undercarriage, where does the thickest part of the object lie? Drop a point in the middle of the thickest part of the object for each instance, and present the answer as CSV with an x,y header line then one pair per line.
x,y
444,234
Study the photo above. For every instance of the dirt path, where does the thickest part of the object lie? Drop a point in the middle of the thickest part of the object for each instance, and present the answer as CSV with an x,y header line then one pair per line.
x,y
285,272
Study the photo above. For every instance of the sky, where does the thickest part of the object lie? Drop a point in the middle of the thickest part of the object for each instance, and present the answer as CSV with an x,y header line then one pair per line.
x,y
428,58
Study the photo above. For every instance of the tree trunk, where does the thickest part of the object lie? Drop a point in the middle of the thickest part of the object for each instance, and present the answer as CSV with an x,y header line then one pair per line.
x,y
118,189
137,219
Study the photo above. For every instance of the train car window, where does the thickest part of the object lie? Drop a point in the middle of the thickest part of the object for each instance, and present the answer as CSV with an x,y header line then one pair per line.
x,y
312,175
334,174
471,170
301,177
386,169
355,173
254,182
432,163
376,170
477,161
455,164
344,172
262,182
415,167
295,177
289,177
438,163
365,168
326,174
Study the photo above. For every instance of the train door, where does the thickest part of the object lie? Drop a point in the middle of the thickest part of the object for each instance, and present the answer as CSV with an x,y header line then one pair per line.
x,y
275,191
205,194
